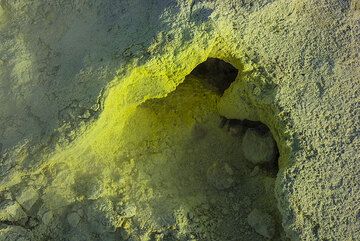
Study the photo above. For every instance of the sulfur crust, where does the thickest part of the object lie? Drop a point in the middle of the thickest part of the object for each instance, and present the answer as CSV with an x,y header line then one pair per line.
x,y
309,102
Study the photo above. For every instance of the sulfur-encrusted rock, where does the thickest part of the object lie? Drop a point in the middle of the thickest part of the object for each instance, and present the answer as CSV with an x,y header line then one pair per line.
x,y
11,211
28,198
75,77
258,147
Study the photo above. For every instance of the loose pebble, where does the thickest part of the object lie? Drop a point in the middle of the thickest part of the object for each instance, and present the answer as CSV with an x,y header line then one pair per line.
x,y
258,148
255,171
190,215
47,217
73,219
236,130
220,175
28,198
33,222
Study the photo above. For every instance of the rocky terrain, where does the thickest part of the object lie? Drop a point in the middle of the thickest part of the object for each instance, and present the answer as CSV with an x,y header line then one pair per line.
x,y
179,120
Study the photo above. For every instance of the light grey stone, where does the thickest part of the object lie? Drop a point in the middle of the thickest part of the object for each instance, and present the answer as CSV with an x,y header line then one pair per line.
x,y
257,147
47,217
28,198
73,219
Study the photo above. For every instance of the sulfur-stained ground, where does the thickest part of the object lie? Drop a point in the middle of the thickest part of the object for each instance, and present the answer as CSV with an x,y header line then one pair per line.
x,y
107,133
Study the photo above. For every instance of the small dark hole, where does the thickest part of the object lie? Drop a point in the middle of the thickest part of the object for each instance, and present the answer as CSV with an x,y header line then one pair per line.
x,y
217,73
272,167
259,126
315,230
238,128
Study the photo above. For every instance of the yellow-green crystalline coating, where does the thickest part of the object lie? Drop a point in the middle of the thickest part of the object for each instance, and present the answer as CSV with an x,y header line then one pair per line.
x,y
155,143
155,162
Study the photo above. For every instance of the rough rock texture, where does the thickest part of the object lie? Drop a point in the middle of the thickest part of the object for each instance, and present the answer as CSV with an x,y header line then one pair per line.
x,y
74,80
257,147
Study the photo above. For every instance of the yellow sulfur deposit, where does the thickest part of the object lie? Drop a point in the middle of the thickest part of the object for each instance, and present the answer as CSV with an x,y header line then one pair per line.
x,y
179,120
